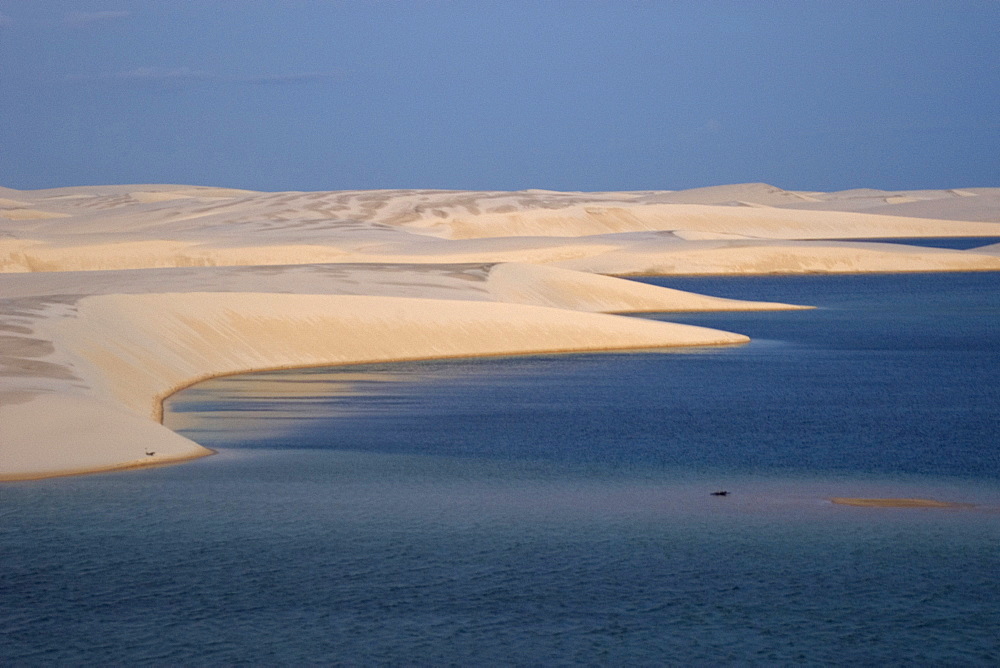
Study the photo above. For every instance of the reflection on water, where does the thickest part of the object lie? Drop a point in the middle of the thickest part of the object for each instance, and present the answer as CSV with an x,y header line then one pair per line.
x,y
556,509
277,401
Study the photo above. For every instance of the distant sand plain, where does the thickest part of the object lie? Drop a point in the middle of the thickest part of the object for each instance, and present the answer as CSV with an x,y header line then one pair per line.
x,y
113,297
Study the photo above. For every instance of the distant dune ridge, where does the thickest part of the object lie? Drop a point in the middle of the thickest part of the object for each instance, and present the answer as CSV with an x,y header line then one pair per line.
x,y
112,297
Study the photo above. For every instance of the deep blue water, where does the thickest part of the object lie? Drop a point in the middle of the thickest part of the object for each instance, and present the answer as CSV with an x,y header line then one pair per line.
x,y
556,509
954,243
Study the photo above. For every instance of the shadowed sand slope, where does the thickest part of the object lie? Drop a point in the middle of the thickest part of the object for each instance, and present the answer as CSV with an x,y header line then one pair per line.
x,y
111,297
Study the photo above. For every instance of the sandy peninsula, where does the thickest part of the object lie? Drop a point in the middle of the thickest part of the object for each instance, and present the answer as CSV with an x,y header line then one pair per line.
x,y
113,297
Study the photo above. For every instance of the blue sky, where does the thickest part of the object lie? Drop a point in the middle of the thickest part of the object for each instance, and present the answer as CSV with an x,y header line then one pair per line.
x,y
508,94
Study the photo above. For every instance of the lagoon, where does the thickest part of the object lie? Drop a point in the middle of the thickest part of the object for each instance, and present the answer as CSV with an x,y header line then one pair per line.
x,y
557,509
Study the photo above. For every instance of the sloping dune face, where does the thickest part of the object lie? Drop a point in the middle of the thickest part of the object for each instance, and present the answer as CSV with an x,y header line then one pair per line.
x,y
113,297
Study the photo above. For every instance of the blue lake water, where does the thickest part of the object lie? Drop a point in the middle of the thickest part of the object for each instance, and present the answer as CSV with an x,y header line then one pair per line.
x,y
557,509
954,243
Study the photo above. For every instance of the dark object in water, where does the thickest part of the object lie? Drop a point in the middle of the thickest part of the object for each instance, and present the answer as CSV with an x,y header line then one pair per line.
x,y
720,493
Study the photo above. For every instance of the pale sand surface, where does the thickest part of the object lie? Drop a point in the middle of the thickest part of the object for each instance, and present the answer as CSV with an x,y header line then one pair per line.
x,y
112,297
898,503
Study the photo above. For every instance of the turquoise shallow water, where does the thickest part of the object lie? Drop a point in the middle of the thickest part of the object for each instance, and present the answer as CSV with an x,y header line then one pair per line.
x,y
556,509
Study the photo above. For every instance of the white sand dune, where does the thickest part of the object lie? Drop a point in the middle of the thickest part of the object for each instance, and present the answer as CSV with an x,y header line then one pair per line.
x,y
112,297
136,227
969,204
24,213
786,257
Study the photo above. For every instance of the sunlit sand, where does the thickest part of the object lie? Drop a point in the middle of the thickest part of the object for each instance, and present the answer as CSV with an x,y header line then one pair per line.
x,y
113,297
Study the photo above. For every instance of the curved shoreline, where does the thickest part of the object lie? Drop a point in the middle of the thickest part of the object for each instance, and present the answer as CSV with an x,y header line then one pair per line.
x,y
130,352
127,466
159,410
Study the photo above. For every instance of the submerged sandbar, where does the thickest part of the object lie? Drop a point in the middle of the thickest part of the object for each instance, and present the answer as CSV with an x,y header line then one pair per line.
x,y
898,503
